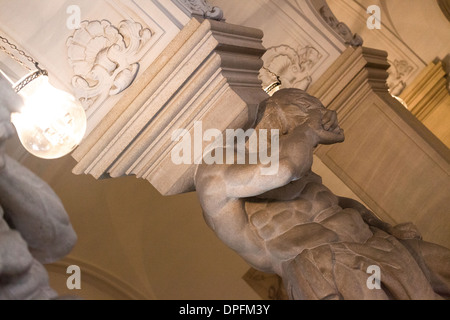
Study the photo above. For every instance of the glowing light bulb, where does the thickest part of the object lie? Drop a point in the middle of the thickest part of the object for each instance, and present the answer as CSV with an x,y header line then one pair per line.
x,y
51,123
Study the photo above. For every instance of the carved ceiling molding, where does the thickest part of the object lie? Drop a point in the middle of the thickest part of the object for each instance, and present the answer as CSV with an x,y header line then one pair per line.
x,y
105,59
201,8
293,67
339,27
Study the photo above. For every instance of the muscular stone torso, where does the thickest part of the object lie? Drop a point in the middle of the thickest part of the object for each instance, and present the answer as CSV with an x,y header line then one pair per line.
x,y
302,216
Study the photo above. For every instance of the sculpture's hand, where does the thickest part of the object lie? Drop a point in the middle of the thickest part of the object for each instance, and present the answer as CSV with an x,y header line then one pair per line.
x,y
325,124
330,132
405,231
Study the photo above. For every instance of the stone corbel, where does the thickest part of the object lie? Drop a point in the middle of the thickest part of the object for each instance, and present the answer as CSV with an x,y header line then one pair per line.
x,y
208,74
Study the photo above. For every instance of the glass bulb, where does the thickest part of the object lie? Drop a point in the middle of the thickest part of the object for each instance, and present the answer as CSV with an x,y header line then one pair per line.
x,y
51,122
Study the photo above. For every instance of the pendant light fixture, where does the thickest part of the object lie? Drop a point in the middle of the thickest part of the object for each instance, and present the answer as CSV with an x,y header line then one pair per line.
x,y
51,123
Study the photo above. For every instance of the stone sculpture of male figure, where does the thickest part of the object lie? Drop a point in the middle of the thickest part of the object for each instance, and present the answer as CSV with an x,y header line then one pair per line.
x,y
290,224
34,226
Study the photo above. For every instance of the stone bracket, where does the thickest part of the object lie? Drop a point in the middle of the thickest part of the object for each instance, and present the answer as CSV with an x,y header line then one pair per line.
x,y
208,73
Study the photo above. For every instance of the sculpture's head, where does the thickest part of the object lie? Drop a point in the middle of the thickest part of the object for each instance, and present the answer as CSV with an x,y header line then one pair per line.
x,y
286,110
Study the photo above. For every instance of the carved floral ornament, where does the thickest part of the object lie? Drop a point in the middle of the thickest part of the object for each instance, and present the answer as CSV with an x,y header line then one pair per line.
x,y
202,8
293,67
105,59
398,73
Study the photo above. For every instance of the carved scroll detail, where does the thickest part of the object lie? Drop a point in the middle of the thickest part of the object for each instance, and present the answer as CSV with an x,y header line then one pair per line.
x,y
341,28
399,71
202,8
105,58
292,66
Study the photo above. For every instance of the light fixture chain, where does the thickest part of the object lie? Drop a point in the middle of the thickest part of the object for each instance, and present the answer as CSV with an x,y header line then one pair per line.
x,y
21,52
